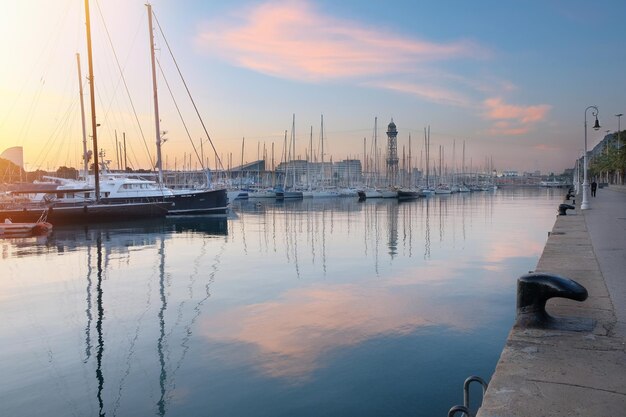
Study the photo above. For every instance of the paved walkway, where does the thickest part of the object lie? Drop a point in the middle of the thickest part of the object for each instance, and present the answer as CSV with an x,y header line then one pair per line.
x,y
606,222
573,373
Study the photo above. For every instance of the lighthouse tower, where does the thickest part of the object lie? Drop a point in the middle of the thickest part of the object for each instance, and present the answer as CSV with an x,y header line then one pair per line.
x,y
392,153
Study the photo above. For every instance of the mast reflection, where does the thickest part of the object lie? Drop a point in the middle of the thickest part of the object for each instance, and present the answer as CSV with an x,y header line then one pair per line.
x,y
161,315
99,322
427,230
392,228
120,238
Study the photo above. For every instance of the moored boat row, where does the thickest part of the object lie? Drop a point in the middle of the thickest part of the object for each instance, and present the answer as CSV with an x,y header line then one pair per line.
x,y
122,199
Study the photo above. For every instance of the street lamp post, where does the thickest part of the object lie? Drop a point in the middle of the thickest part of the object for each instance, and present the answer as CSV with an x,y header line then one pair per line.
x,y
578,184
607,146
619,174
585,203
577,177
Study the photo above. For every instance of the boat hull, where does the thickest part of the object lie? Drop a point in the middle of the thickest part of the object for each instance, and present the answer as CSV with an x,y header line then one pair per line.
x,y
289,195
262,194
88,213
408,194
211,202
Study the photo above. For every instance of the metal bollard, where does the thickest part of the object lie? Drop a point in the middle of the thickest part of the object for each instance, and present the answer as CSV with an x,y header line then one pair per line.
x,y
534,290
564,207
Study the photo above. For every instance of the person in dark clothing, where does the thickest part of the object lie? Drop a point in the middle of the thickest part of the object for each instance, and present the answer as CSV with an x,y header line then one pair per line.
x,y
594,187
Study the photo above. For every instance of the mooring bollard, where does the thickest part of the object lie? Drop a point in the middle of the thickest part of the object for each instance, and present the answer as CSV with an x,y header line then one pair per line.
x,y
534,290
564,207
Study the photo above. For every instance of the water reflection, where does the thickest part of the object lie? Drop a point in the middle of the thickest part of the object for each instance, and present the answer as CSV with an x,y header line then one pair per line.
x,y
282,305
99,323
399,226
100,246
292,334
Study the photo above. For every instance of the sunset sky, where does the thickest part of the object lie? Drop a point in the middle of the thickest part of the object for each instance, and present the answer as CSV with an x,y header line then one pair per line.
x,y
511,79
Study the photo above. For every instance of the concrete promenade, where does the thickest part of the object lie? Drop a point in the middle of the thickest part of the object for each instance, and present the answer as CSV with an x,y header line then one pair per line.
x,y
573,373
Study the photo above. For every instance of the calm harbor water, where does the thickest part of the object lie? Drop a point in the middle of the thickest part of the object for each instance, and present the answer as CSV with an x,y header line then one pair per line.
x,y
305,308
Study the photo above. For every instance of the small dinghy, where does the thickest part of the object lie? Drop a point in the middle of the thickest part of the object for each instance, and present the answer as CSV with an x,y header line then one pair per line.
x,y
40,227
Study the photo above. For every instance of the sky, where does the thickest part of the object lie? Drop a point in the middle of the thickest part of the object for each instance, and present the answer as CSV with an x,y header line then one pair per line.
x,y
510,81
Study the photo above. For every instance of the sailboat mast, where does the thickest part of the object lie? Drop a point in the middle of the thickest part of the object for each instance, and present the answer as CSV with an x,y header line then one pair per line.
x,y
155,96
293,141
454,162
287,163
410,162
309,160
323,177
425,167
376,148
463,164
82,118
243,141
94,133
365,167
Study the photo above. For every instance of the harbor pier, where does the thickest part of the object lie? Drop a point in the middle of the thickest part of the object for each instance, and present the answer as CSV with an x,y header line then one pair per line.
x,y
580,371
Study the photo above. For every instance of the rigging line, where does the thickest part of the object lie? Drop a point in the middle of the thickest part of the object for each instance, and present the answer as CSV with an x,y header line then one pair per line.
x,y
180,114
31,110
188,332
117,62
188,92
64,130
54,136
132,347
44,51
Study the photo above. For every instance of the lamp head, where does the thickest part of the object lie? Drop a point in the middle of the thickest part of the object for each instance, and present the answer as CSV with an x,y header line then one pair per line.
x,y
596,126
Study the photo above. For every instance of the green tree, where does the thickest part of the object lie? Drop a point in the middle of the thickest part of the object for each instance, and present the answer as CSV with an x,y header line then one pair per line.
x,y
67,172
36,175
611,161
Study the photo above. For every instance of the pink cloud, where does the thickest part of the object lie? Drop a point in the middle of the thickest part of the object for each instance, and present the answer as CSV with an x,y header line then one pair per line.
x,y
291,334
429,92
294,40
513,120
544,147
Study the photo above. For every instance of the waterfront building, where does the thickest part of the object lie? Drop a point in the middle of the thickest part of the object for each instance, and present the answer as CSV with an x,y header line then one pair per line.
x,y
15,155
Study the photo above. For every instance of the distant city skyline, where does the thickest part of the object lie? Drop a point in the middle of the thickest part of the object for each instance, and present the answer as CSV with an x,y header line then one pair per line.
x,y
512,81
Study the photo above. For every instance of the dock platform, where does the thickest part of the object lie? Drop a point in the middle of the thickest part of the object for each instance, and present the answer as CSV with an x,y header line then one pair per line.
x,y
573,373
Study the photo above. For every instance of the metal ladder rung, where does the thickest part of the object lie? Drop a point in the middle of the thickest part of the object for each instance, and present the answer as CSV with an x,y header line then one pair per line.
x,y
465,408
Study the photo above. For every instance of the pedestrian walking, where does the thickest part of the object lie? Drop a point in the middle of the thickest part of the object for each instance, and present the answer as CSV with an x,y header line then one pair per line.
x,y
594,187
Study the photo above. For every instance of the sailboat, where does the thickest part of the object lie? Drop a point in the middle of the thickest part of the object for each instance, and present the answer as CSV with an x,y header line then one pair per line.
x,y
371,190
442,187
290,192
184,201
123,188
427,190
408,192
463,188
60,210
321,191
